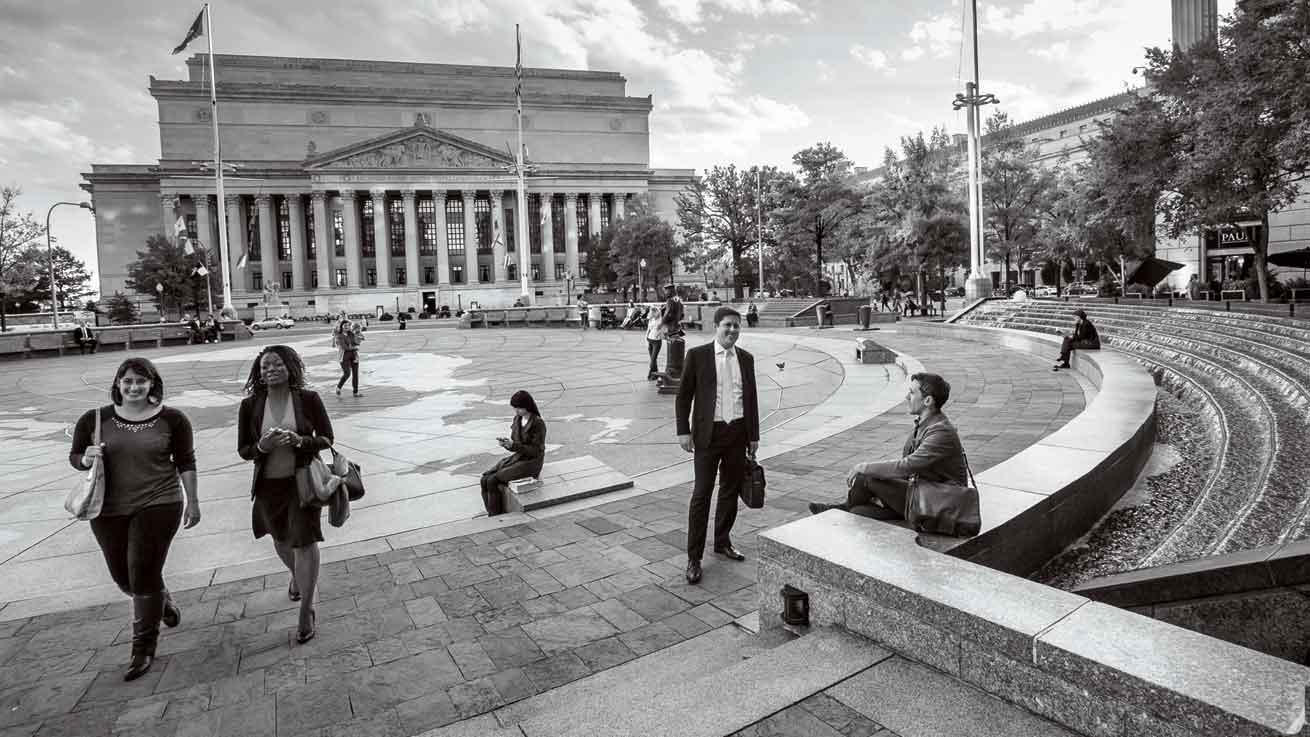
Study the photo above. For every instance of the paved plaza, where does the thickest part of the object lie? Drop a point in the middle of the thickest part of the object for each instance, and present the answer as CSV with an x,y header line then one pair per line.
x,y
428,613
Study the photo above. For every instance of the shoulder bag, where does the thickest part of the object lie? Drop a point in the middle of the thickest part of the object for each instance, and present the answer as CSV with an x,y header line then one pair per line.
x,y
87,497
944,508
752,486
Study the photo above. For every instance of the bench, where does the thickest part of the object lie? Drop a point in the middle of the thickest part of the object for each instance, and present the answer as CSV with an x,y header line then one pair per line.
x,y
110,338
144,338
174,335
49,343
13,346
1236,295
518,316
567,480
539,316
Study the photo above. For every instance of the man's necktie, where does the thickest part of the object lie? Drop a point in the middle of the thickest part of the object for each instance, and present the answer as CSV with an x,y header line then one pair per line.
x,y
726,402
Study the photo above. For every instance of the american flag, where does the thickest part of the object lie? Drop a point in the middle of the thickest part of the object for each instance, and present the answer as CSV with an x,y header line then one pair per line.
x,y
518,70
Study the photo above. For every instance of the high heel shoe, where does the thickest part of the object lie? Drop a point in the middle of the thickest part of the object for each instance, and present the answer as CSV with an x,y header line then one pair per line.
x,y
292,594
303,636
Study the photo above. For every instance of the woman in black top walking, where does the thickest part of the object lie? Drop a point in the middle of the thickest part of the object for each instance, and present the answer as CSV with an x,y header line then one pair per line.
x,y
145,447
281,427
347,338
527,446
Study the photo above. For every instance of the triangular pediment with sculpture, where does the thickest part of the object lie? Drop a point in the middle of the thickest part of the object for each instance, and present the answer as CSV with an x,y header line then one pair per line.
x,y
419,148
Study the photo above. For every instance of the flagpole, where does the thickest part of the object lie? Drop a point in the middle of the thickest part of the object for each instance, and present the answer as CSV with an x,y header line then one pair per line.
x,y
521,217
759,226
218,171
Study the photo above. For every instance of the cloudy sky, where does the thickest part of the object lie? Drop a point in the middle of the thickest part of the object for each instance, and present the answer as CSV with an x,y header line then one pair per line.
x,y
734,81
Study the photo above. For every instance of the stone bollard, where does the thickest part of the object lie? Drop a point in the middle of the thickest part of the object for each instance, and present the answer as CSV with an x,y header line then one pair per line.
x,y
822,313
866,316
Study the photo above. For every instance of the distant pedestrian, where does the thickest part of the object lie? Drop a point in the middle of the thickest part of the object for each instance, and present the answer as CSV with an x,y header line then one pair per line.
x,y
672,313
654,341
584,314
85,338
527,446
282,426
346,338
1084,337
147,449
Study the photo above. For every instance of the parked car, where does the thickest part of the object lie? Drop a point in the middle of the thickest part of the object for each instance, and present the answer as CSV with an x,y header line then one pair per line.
x,y
270,323
1082,289
1046,292
955,291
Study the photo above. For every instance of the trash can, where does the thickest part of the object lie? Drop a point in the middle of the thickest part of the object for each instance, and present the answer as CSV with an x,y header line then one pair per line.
x,y
674,358
822,312
866,316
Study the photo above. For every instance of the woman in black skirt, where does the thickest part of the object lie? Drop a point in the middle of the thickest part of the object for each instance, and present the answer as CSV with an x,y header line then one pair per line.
x,y
282,426
146,449
527,446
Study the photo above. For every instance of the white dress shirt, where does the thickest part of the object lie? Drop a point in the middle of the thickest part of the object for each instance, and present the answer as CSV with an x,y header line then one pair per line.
x,y
727,395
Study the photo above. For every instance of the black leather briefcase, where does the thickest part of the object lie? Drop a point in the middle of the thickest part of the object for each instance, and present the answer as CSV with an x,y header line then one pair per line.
x,y
752,485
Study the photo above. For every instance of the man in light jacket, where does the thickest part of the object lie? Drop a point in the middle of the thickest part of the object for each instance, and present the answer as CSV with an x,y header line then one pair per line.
x,y
933,453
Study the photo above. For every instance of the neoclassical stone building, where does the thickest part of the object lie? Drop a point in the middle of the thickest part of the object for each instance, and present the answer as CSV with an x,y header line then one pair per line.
x,y
364,184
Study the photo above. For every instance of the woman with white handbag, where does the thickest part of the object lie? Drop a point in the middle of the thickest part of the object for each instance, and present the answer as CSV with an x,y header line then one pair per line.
x,y
143,448
282,426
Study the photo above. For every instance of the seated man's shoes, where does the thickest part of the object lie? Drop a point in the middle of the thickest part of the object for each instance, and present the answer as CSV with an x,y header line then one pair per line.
x,y
817,508
730,553
693,571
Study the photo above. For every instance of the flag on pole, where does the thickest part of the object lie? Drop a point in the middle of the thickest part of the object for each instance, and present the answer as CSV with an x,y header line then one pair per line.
x,y
518,71
241,262
186,246
196,30
201,270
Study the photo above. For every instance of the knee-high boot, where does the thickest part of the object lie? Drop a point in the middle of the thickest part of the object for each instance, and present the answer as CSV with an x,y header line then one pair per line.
x,y
147,609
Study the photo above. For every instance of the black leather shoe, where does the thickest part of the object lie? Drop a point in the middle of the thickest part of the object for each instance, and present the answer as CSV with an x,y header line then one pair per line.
x,y
817,508
693,571
172,616
139,666
730,552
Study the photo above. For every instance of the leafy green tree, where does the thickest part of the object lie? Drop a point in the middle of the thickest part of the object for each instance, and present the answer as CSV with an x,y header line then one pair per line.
x,y
643,235
71,276
1014,185
121,309
164,262
717,215
817,204
18,232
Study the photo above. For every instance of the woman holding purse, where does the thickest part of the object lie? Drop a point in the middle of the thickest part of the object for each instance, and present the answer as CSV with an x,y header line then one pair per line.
x,y
145,448
527,446
347,338
282,426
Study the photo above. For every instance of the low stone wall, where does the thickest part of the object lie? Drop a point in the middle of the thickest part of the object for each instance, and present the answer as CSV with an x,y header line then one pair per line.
x,y
1041,500
1096,669
1257,598
127,337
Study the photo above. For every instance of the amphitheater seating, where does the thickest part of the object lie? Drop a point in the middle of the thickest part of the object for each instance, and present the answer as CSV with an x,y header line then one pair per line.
x,y
1248,375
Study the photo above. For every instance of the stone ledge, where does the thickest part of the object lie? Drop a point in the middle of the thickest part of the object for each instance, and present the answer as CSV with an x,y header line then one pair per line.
x,y
1044,498
1092,668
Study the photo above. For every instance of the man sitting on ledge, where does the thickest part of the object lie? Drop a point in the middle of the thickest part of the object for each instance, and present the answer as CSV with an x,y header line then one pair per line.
x,y
1084,338
933,453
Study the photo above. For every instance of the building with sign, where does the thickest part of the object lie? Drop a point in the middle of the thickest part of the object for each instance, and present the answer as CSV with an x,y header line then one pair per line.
x,y
365,185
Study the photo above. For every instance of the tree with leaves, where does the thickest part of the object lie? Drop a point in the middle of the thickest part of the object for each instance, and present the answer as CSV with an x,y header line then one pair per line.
x,y
643,235
18,232
717,215
817,204
71,277
121,309
1014,186
167,263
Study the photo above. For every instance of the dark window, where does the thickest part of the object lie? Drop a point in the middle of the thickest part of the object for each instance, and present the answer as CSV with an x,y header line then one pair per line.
x,y
371,277
584,227
427,227
338,234
313,278
557,223
512,272
341,277
536,272
192,233
400,276
455,227
429,275
559,271
482,218
456,274
286,280
484,272
509,230
369,249
534,223
311,246
396,211
604,214
283,230
258,278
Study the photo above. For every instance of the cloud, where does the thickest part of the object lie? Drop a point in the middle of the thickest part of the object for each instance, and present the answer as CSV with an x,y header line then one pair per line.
x,y
1057,51
693,13
824,70
939,35
912,54
728,130
871,58
1041,16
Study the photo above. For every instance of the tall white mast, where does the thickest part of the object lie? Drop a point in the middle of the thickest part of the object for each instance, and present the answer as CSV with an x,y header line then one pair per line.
x,y
218,166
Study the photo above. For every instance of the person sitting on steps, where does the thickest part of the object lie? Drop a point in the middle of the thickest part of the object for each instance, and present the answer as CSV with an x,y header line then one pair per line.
x,y
933,452
1084,337
527,446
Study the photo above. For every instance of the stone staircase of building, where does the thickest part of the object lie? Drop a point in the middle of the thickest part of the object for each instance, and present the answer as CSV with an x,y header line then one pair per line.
x,y
1248,375
774,313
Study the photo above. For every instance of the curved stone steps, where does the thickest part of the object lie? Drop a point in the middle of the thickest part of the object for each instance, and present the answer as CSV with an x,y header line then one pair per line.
x,y
1226,519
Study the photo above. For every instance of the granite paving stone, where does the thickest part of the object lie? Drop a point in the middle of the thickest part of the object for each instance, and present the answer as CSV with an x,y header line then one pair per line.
x,y
236,689
653,602
494,620
605,653
286,675
472,698
387,649
425,611
541,581
710,615
482,555
652,637
556,670
461,602
384,596
569,630
513,685
193,700
329,667
258,718
510,648
199,666
426,712
471,659
505,590
383,686
309,706
469,576
622,618
686,625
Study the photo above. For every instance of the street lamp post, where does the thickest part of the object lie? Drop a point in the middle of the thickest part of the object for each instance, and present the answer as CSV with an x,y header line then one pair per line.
x,y
50,256
641,285
159,287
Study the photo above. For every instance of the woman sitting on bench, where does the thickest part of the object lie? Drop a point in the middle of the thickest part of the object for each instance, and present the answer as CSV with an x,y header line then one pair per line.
x,y
527,446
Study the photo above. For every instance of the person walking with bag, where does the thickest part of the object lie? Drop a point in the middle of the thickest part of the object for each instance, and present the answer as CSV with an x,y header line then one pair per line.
x,y
654,341
718,379
347,338
527,446
282,426
145,448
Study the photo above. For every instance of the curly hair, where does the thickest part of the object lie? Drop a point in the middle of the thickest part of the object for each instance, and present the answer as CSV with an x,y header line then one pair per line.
x,y
291,359
143,367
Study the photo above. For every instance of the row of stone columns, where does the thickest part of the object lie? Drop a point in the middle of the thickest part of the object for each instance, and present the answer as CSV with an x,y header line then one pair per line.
x,y
346,201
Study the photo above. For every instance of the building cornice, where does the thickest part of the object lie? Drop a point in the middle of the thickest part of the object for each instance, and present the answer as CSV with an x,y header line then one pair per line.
x,y
162,89
275,63
1065,116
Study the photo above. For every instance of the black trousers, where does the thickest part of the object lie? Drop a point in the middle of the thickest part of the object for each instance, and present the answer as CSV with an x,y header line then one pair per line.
x,y
653,348
350,370
891,492
83,345
724,457
136,545
1068,345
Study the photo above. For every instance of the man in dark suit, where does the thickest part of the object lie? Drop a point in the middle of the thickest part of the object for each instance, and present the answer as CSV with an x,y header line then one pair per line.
x,y
719,380
933,453
1084,338
84,337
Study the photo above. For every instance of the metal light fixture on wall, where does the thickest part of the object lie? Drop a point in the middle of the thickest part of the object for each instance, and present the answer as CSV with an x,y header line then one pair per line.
x,y
795,606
